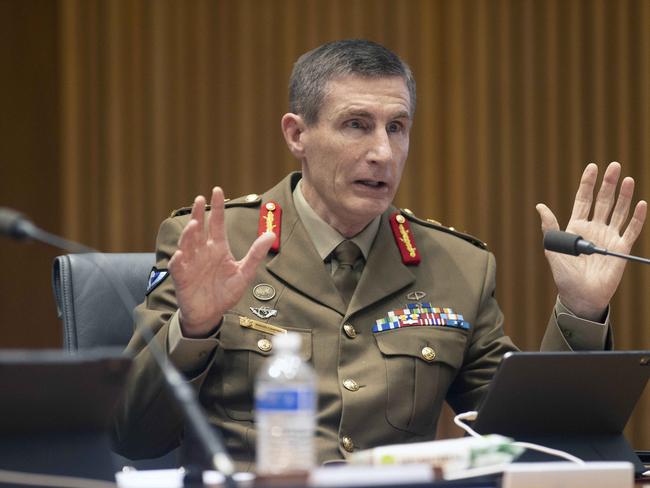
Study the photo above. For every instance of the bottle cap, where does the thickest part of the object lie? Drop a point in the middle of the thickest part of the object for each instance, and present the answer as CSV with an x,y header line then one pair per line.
x,y
291,341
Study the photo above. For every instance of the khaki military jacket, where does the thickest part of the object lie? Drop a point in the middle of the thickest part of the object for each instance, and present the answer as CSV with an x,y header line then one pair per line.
x,y
374,387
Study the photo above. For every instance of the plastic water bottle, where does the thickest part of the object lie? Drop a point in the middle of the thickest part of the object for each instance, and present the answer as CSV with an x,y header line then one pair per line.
x,y
285,410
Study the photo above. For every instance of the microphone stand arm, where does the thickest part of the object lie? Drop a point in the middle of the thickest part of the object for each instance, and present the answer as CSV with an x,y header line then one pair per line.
x,y
629,257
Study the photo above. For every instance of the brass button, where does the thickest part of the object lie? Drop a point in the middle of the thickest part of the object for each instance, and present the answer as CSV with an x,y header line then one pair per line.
x,y
428,354
351,385
252,197
407,211
347,444
270,206
400,219
264,345
350,331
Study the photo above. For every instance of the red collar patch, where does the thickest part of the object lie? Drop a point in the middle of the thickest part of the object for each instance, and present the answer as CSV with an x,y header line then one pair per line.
x,y
271,221
404,239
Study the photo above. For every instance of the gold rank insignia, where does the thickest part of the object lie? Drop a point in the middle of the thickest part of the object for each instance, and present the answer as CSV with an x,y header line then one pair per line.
x,y
404,239
261,326
271,221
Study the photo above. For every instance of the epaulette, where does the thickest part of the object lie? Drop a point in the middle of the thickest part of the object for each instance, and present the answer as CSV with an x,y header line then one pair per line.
x,y
434,224
247,201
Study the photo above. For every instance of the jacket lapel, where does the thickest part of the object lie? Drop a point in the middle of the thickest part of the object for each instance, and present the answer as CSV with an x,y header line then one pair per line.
x,y
298,264
384,272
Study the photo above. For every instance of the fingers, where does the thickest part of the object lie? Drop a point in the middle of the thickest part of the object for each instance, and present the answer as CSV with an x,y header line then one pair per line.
x,y
608,208
193,234
175,264
216,226
636,224
622,208
585,193
196,233
256,253
178,267
549,221
607,193
198,212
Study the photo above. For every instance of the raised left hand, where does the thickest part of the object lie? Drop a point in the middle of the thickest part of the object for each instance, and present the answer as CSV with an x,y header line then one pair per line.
x,y
586,284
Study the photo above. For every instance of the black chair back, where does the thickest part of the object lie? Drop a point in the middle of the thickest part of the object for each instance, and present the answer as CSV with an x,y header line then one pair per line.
x,y
90,290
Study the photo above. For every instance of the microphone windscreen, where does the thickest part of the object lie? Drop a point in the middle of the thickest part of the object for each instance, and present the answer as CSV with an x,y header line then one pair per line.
x,y
10,222
562,242
14,224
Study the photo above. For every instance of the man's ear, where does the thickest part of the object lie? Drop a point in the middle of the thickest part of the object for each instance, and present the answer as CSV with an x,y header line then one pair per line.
x,y
293,128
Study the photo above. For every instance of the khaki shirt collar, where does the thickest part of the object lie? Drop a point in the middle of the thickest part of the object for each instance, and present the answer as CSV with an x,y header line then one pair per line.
x,y
324,236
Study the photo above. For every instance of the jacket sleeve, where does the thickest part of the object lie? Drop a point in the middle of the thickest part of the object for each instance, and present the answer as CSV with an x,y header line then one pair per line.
x,y
488,343
486,346
147,422
567,332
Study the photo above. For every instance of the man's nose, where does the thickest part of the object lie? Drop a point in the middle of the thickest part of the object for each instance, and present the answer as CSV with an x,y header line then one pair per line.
x,y
381,150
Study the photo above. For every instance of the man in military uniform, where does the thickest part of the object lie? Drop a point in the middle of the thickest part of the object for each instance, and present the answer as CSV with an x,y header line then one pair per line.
x,y
397,314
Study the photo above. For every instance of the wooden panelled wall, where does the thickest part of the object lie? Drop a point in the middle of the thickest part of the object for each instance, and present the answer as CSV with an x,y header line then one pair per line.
x,y
161,100
29,167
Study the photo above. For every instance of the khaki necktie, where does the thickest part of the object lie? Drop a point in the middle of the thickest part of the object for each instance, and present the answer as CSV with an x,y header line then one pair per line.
x,y
346,254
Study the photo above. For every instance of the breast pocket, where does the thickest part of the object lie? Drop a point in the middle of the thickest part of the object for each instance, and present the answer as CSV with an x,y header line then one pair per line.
x,y
243,352
421,363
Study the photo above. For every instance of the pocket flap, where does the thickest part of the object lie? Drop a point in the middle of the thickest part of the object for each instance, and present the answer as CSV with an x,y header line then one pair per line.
x,y
429,344
235,337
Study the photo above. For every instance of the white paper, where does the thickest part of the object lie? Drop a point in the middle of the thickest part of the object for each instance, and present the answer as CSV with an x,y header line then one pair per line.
x,y
356,475
172,478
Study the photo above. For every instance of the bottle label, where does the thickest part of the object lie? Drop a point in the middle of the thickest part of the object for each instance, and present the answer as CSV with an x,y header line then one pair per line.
x,y
285,399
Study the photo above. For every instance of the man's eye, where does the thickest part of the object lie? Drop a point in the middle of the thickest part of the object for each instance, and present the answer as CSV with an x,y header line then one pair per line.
x,y
354,124
394,127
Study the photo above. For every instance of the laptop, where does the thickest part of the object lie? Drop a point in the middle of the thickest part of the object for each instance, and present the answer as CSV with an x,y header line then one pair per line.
x,y
56,409
578,402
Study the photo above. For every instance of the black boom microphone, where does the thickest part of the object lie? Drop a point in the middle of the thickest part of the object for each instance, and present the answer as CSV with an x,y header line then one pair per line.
x,y
15,225
567,243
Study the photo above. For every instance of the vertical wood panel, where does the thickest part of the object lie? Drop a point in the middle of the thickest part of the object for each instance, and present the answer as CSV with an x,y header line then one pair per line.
x,y
162,100
30,167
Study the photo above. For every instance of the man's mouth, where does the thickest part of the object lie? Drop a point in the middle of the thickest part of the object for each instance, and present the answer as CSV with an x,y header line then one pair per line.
x,y
371,183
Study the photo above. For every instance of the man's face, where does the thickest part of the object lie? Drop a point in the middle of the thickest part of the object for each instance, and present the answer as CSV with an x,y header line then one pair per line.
x,y
354,155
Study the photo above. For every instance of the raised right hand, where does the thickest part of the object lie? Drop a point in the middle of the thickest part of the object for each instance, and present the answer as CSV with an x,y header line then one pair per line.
x,y
208,280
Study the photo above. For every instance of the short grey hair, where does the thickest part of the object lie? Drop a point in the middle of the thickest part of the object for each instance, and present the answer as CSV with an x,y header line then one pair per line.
x,y
316,68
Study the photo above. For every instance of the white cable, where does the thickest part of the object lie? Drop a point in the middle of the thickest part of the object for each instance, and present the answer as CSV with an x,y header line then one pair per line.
x,y
548,450
471,415
35,479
